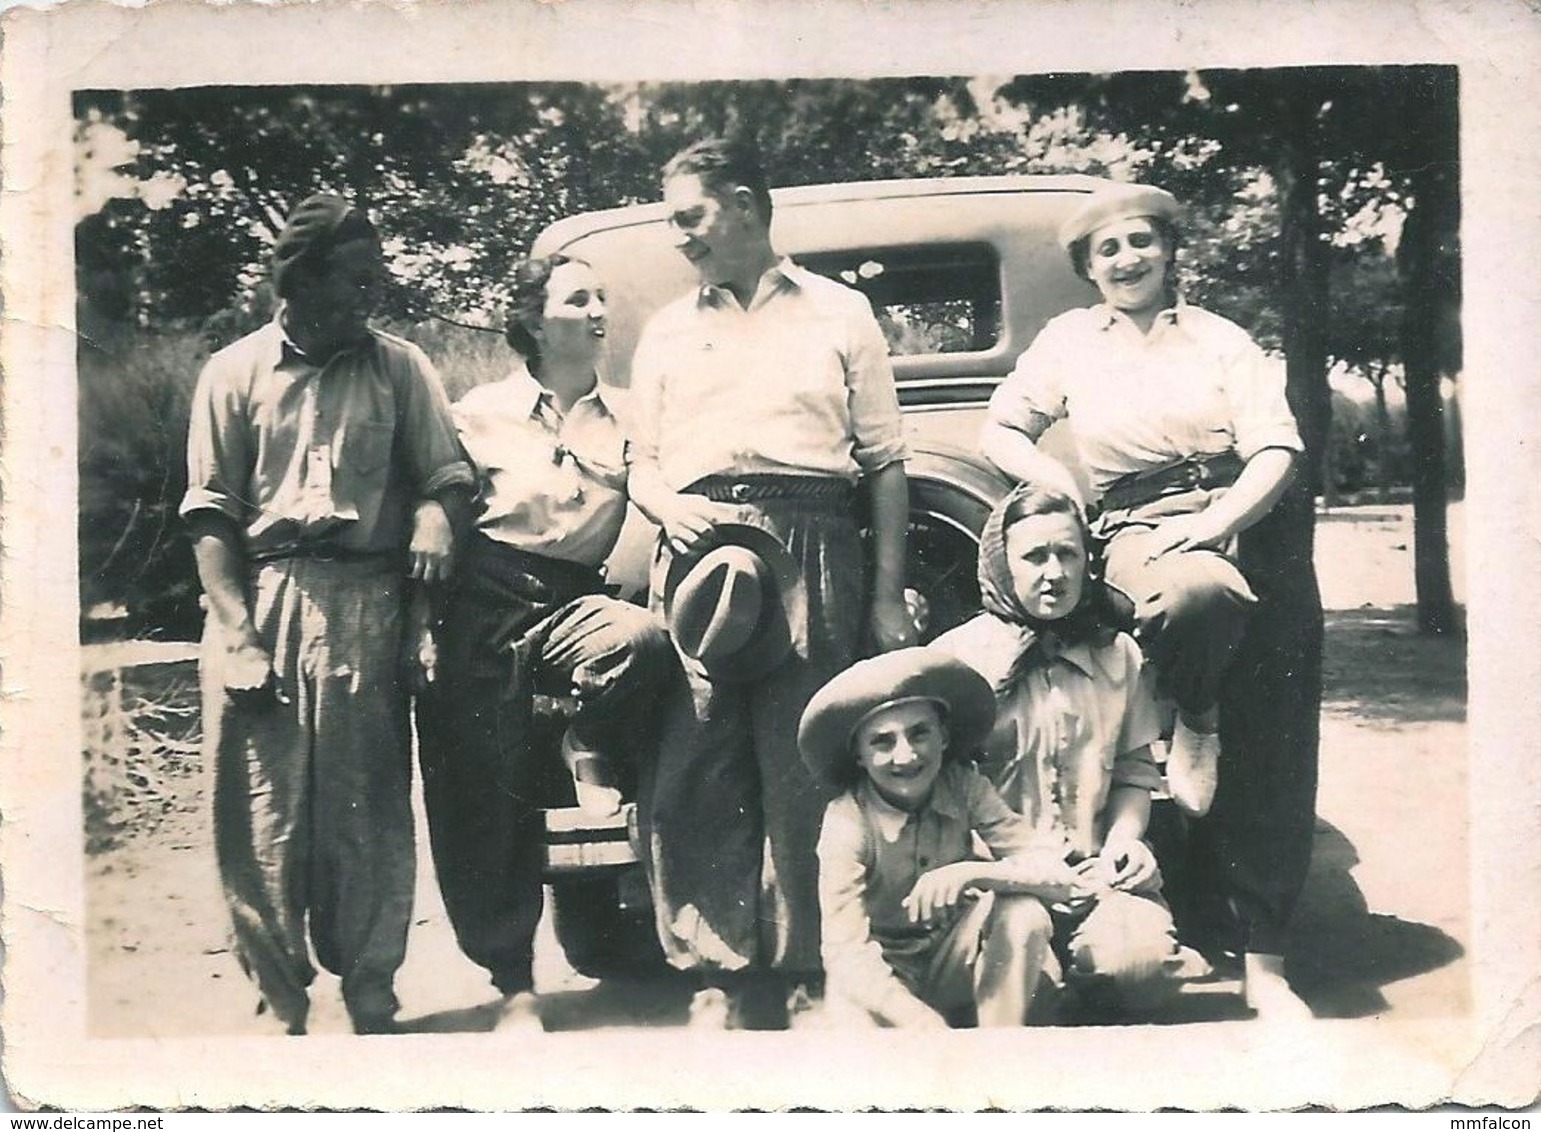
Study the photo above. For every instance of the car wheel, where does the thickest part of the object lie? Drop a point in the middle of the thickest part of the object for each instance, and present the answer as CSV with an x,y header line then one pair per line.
x,y
943,571
604,923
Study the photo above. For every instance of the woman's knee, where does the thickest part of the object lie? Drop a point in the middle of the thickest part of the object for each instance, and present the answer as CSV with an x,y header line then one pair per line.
x,y
1200,587
1127,938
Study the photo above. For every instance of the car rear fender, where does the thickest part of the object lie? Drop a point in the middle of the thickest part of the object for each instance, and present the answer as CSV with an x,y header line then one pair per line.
x,y
953,485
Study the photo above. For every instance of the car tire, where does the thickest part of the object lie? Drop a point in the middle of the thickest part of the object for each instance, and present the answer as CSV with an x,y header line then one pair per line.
x,y
943,550
604,932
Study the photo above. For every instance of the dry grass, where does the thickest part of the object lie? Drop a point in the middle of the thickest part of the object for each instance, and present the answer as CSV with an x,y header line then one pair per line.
x,y
141,747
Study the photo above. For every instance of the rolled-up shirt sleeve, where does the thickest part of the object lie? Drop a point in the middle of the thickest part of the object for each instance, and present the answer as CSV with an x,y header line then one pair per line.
x,y
853,959
432,445
219,449
1133,764
876,423
1260,410
1035,384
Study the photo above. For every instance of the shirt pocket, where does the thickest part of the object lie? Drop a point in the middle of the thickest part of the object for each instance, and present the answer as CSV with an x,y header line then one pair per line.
x,y
366,446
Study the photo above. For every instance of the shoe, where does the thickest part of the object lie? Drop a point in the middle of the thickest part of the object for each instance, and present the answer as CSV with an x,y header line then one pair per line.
x,y
593,777
375,1024
294,1026
375,1014
1187,965
1193,769
518,1012
1268,993
709,1009
759,1002
746,1002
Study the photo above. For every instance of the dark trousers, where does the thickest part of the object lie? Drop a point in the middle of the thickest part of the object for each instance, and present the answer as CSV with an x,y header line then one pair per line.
x,y
729,813
1235,875
515,627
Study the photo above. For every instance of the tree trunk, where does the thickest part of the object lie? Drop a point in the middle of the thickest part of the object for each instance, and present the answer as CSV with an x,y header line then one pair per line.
x,y
1429,260
1303,279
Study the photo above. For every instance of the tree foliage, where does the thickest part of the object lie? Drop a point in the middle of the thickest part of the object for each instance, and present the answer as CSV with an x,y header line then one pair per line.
x,y
1296,183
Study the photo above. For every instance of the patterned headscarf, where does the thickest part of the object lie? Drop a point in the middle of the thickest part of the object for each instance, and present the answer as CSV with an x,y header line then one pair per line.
x,y
1102,611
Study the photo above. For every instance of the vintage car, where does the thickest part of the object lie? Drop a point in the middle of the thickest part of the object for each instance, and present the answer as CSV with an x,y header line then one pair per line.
x,y
962,274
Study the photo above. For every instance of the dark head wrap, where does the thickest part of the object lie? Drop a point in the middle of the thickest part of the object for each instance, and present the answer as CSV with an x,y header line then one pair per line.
x,y
318,225
1102,612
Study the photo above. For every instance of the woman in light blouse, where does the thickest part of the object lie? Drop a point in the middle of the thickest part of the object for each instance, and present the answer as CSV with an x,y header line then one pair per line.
x,y
1182,427
527,614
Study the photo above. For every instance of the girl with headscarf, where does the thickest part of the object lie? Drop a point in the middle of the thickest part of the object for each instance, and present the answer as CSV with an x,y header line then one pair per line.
x,y
1071,747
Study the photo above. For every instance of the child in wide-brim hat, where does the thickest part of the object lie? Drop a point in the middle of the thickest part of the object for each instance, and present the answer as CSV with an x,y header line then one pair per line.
x,y
917,929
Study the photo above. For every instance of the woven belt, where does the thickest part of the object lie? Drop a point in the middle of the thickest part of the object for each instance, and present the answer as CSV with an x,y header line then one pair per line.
x,y
759,488
1196,473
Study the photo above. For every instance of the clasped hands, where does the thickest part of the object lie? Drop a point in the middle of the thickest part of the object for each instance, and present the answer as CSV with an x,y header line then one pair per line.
x,y
1122,865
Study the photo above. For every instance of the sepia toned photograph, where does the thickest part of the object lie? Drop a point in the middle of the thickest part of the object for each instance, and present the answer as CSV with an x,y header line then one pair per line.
x,y
570,562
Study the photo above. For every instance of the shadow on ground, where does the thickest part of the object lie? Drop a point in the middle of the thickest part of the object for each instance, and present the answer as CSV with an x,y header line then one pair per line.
x,y
1342,954
661,1000
1377,667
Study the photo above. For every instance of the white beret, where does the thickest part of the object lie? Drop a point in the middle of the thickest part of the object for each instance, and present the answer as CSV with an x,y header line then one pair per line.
x,y
1114,202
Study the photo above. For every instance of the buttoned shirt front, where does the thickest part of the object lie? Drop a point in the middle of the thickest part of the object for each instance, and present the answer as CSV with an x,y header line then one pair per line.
x,y
1196,385
552,483
872,853
1072,723
799,383
292,448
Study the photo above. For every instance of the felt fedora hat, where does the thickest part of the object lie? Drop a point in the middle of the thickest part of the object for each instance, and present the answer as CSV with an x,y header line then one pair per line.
x,y
736,604
830,720
1118,201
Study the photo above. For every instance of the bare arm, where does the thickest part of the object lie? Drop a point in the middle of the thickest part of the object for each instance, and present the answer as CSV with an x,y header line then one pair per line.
x,y
1262,482
1015,451
1128,810
1039,872
891,624
1125,861
685,519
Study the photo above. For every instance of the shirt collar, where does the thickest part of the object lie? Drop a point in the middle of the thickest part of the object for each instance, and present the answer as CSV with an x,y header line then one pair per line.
x,y
1107,315
1078,655
779,275
890,819
531,394
286,349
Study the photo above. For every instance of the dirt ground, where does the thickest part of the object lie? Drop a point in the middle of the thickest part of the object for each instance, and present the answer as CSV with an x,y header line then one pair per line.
x,y
1382,928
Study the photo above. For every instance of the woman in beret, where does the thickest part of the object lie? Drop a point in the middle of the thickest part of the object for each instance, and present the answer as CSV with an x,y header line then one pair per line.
x,y
1184,433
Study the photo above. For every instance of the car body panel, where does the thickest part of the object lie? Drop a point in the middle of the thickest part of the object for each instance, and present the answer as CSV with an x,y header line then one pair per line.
x,y
943,393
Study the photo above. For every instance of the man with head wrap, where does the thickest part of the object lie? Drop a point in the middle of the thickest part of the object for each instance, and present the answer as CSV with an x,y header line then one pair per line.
x,y
323,471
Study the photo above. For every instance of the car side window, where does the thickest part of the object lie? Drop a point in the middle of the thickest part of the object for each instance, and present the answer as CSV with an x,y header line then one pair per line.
x,y
931,299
